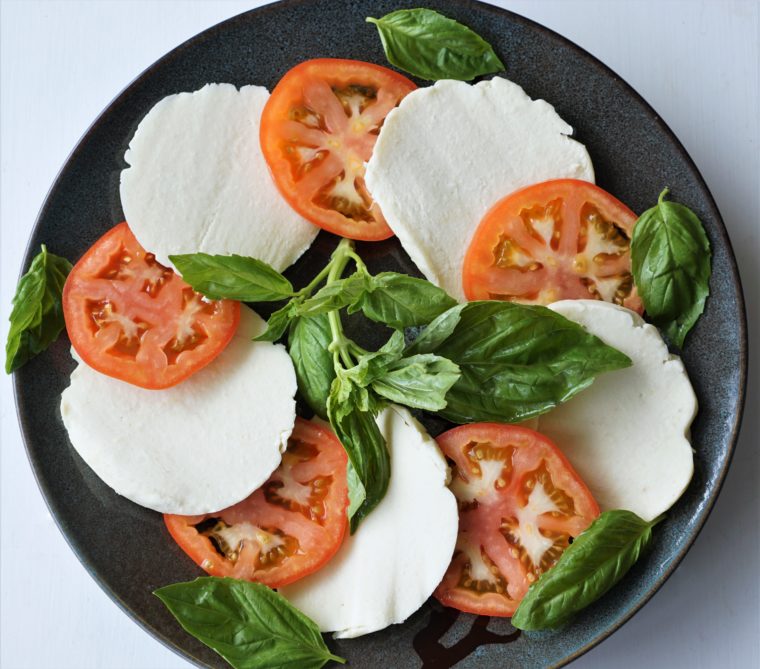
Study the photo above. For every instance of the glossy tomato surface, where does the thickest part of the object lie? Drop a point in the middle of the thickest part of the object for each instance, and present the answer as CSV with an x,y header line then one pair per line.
x,y
132,318
318,130
556,240
286,529
520,506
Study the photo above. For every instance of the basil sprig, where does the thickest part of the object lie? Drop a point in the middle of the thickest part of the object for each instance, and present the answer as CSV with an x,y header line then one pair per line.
x,y
432,46
482,361
37,315
516,361
670,259
249,625
591,565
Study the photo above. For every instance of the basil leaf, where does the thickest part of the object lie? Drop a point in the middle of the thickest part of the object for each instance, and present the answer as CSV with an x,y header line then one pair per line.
x,y
516,361
335,295
356,492
589,567
401,301
372,365
232,277
308,344
431,46
279,322
670,259
358,432
37,315
249,625
420,381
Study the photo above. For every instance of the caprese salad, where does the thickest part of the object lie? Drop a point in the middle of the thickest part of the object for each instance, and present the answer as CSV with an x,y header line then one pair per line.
x,y
346,519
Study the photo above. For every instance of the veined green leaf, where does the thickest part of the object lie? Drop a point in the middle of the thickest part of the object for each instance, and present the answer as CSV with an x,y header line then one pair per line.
x,y
249,625
432,46
400,301
589,567
308,343
232,277
516,361
670,259
37,315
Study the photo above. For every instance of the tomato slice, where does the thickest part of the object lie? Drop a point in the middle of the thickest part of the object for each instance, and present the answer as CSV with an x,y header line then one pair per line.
x,y
318,130
134,319
561,239
286,529
520,505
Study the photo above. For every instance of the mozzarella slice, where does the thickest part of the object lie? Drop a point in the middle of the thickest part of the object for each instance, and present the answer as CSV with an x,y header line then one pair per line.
x,y
627,435
199,182
388,569
197,447
450,151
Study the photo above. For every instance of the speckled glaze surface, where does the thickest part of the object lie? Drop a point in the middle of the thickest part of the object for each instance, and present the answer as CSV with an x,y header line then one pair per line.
x,y
127,549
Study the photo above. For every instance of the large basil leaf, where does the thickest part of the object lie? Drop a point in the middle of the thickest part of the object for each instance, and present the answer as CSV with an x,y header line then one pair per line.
x,y
352,411
670,259
591,565
249,625
37,315
232,277
431,46
308,344
420,381
402,301
516,361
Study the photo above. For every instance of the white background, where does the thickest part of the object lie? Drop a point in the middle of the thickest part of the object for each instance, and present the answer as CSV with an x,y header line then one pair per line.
x,y
696,62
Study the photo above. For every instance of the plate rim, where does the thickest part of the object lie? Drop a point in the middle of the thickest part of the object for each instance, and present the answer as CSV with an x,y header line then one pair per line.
x,y
500,12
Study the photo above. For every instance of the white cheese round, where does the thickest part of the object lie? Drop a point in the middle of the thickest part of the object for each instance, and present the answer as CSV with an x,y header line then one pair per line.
x,y
199,182
197,447
450,151
389,568
627,435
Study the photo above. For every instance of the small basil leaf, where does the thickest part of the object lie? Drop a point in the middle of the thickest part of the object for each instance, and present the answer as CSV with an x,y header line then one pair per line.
x,y
372,365
37,315
279,322
356,492
516,361
401,301
335,295
420,382
308,344
249,625
439,330
232,277
589,567
670,259
358,432
432,46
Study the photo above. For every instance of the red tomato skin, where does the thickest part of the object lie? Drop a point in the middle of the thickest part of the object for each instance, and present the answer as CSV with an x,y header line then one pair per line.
x,y
563,276
79,328
201,550
483,521
286,94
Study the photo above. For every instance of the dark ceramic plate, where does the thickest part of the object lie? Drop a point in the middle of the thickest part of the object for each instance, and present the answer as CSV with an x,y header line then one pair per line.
x,y
126,548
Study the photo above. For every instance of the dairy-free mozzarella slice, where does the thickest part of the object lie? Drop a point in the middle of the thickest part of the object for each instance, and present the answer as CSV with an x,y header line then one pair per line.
x,y
198,181
450,151
627,435
388,569
196,447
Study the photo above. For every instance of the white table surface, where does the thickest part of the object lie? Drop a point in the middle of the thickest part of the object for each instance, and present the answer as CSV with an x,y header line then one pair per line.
x,y
695,62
